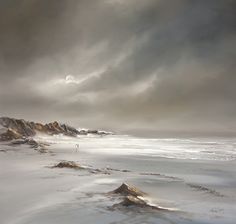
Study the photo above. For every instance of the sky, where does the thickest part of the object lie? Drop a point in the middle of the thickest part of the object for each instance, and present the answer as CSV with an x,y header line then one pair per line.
x,y
121,65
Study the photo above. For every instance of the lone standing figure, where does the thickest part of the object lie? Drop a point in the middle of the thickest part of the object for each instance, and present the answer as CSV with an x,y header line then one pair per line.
x,y
76,147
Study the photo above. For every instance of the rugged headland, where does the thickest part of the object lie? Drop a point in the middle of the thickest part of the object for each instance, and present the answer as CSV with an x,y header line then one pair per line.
x,y
11,128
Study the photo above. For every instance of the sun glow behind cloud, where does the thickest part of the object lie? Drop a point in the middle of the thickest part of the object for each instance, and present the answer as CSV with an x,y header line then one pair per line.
x,y
71,79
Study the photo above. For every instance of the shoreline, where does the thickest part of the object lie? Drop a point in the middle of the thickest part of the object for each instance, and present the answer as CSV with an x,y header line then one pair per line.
x,y
31,192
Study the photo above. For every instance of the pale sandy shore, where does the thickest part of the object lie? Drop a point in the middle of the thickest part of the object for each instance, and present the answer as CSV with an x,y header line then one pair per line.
x,y
203,190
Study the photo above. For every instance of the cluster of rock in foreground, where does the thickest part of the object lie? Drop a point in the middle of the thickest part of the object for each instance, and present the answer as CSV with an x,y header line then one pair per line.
x,y
19,128
132,196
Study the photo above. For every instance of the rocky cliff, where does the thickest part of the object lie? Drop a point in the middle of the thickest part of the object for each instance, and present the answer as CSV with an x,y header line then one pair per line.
x,y
18,128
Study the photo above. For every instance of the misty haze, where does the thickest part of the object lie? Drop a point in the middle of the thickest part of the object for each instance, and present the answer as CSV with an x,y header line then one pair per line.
x,y
117,111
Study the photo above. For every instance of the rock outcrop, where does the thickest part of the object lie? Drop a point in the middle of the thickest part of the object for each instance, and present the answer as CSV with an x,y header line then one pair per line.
x,y
9,135
133,197
29,129
40,146
68,164
127,190
19,128
139,202
76,166
134,201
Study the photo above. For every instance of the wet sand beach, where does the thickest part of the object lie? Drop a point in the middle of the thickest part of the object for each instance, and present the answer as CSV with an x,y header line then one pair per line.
x,y
194,177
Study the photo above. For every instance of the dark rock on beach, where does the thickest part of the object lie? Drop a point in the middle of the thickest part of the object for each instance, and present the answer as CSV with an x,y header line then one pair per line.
x,y
131,200
135,198
68,164
9,135
139,202
127,190
40,146
76,166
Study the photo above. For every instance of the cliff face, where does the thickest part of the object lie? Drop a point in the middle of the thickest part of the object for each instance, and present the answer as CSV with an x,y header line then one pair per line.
x,y
19,128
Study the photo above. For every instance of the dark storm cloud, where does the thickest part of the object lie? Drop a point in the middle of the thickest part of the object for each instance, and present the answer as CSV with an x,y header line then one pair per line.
x,y
155,64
